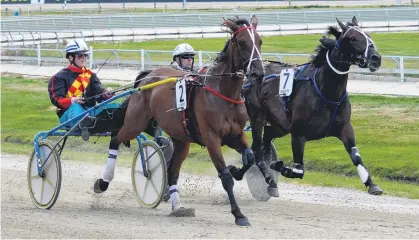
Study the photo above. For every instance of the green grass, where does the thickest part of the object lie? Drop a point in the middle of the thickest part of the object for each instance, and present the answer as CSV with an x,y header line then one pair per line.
x,y
387,136
387,43
386,129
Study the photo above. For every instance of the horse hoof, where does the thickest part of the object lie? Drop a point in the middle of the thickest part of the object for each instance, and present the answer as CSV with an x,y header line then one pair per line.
x,y
244,222
375,190
100,186
273,192
183,212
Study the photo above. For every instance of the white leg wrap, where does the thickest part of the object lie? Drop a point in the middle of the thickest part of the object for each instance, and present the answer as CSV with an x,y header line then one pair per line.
x,y
174,197
110,166
362,172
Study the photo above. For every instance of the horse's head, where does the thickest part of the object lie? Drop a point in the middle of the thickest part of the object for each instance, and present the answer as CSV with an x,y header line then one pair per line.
x,y
356,46
245,47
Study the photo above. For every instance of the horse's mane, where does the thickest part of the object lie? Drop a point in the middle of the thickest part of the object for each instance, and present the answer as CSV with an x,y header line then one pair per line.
x,y
320,56
241,21
325,44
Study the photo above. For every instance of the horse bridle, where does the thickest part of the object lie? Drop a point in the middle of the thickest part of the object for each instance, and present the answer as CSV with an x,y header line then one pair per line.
x,y
251,31
356,57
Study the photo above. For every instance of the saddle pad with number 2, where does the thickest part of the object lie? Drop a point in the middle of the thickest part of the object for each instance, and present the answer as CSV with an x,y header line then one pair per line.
x,y
181,103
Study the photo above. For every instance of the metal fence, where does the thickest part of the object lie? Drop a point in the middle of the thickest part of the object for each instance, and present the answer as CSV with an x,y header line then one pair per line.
x,y
394,68
124,21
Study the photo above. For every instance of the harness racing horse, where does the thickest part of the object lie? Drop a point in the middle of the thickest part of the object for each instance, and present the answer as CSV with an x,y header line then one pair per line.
x,y
317,107
215,114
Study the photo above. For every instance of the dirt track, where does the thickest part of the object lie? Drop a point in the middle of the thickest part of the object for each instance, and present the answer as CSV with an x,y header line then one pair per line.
x,y
300,212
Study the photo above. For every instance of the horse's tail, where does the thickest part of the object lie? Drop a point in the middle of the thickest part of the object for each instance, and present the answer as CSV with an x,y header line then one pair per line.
x,y
124,104
127,144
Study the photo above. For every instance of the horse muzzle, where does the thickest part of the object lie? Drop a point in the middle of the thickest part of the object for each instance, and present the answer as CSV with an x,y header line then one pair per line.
x,y
374,62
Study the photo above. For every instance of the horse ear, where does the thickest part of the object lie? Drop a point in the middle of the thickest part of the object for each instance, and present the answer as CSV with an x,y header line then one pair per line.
x,y
355,21
233,27
254,21
341,25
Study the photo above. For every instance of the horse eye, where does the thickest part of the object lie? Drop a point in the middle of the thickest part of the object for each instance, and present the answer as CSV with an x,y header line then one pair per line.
x,y
353,39
240,42
261,42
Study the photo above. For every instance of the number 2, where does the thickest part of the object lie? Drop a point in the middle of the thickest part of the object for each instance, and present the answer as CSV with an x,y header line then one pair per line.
x,y
181,94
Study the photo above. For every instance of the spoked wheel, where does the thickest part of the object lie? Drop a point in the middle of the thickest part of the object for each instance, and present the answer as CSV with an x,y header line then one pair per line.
x,y
44,189
256,181
149,190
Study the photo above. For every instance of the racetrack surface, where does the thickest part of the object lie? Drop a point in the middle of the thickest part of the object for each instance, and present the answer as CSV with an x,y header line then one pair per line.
x,y
300,211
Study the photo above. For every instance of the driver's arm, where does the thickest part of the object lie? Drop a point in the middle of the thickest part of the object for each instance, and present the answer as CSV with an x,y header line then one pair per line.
x,y
57,91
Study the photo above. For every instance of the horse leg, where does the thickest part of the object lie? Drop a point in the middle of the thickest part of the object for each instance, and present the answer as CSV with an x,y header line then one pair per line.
x,y
214,150
180,153
102,184
347,136
240,144
297,171
269,134
260,157
136,118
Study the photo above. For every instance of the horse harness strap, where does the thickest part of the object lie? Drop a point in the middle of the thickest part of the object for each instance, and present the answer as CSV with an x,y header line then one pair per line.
x,y
188,116
211,90
312,78
337,104
189,120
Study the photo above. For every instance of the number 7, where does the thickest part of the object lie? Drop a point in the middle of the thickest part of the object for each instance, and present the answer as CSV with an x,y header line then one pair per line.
x,y
286,80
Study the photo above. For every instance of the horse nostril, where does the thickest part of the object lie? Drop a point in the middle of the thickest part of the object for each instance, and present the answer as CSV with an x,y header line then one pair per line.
x,y
375,58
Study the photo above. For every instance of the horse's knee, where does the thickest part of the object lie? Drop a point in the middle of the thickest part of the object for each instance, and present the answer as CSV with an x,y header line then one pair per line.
x,y
226,179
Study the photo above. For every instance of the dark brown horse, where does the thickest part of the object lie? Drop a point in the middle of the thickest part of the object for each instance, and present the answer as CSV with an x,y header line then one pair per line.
x,y
215,115
318,106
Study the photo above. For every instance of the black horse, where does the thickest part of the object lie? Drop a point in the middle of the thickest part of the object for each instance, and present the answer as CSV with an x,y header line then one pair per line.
x,y
317,107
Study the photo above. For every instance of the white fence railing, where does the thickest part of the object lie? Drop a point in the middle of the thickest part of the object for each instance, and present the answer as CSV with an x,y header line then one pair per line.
x,y
394,68
19,38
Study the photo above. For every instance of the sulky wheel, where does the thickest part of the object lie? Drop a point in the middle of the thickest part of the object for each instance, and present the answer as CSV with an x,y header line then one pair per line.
x,y
44,188
149,189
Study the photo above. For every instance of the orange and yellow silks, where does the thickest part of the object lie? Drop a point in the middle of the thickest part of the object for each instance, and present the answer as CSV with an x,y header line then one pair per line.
x,y
79,85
